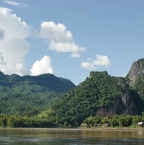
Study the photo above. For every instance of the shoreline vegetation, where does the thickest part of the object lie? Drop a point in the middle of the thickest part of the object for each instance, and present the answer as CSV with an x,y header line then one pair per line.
x,y
76,129
92,122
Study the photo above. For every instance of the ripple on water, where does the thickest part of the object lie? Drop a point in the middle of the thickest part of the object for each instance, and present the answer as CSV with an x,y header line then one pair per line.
x,y
68,141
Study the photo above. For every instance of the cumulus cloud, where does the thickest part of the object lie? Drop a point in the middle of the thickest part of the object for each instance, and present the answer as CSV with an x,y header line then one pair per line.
x,y
2,61
13,46
5,10
13,3
55,32
42,66
66,47
1,34
94,64
60,40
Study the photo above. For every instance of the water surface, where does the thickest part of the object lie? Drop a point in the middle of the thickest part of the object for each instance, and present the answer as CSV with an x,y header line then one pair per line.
x,y
34,136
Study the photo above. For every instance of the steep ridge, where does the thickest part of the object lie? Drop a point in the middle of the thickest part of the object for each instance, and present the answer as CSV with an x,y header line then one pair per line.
x,y
135,80
103,95
136,72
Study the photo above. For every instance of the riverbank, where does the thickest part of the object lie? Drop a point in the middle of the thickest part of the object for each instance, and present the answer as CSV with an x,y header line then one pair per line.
x,y
74,129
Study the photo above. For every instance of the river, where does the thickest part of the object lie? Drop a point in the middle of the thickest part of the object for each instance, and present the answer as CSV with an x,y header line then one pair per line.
x,y
38,136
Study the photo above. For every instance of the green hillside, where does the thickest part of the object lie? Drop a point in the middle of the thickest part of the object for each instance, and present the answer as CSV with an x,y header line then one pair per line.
x,y
100,94
58,102
29,95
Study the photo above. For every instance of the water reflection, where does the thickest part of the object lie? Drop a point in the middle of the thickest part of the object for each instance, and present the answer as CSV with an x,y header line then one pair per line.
x,y
70,137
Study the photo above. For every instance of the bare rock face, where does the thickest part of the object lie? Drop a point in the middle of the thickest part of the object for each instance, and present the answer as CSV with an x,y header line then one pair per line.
x,y
123,105
136,72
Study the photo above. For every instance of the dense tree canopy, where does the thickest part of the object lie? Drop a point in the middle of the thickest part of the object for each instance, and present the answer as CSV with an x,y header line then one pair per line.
x,y
29,95
46,100
99,90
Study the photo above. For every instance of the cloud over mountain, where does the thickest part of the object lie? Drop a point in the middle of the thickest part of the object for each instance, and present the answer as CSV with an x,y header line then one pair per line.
x,y
100,60
42,66
13,46
60,40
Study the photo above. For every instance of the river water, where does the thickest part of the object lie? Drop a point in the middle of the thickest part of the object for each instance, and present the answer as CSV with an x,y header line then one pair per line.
x,y
39,136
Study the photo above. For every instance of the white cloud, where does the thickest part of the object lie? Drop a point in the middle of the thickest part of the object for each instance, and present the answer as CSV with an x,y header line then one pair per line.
x,y
13,3
2,61
59,38
5,10
13,46
66,47
42,66
94,64
57,33
1,34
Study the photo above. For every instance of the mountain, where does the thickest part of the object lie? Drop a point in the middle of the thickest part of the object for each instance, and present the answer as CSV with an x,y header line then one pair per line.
x,y
103,95
136,72
135,80
28,95
99,95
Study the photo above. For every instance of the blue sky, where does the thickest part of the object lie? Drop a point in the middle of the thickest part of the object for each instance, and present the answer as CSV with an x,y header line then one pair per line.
x,y
70,38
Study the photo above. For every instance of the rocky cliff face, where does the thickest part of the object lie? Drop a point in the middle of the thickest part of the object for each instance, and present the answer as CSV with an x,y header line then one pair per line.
x,y
129,103
123,104
104,95
136,72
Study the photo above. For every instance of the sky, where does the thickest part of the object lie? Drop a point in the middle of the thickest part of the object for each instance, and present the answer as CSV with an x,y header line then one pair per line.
x,y
70,38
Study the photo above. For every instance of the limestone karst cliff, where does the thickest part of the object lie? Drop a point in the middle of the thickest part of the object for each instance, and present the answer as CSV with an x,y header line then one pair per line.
x,y
136,72
100,94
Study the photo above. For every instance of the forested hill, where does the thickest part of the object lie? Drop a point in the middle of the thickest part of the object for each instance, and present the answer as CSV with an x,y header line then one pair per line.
x,y
99,95
48,81
103,95
28,95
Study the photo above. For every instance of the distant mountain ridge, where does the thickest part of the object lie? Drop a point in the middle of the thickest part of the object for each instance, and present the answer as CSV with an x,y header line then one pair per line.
x,y
49,81
23,94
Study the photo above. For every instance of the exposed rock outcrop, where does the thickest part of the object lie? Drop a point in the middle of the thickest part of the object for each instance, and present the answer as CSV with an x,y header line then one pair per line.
x,y
123,105
136,72
104,95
